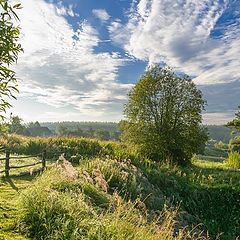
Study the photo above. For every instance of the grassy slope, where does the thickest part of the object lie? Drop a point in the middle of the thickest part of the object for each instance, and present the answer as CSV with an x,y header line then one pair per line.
x,y
207,190
215,197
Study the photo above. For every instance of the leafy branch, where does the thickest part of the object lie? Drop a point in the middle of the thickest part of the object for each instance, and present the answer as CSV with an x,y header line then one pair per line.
x,y
9,50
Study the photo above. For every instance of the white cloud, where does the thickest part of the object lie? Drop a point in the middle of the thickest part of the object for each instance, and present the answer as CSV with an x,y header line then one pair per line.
x,y
179,34
220,118
101,14
60,68
65,11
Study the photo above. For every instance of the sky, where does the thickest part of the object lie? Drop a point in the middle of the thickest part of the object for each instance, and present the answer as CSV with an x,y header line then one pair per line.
x,y
81,57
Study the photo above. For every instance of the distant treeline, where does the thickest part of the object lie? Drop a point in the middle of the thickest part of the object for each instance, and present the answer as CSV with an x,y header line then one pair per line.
x,y
100,130
220,133
54,126
216,132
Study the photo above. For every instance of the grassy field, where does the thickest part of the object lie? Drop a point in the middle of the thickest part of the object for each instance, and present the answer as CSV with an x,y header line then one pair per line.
x,y
207,193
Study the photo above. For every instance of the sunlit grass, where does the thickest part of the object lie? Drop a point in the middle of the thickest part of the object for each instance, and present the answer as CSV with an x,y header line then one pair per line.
x,y
56,208
234,160
9,206
205,192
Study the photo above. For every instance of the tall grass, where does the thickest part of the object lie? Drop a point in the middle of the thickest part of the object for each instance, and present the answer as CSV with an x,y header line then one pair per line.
x,y
59,208
234,160
206,194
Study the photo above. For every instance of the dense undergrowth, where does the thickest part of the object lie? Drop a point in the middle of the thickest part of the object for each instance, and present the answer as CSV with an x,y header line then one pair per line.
x,y
134,206
234,156
142,199
59,208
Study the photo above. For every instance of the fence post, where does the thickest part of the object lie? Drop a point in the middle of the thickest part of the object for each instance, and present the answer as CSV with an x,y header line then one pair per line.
x,y
7,167
44,159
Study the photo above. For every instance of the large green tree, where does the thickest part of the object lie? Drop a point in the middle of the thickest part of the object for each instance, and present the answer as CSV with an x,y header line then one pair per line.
x,y
9,50
163,116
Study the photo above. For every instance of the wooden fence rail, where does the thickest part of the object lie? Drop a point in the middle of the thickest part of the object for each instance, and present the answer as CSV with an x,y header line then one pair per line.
x,y
211,158
25,157
8,167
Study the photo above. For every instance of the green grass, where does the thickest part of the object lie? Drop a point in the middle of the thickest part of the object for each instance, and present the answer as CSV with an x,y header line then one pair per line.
x,y
59,208
10,189
9,206
213,194
20,162
206,192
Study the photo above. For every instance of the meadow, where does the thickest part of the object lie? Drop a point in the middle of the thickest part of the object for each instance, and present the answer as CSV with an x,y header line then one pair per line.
x,y
149,185
117,195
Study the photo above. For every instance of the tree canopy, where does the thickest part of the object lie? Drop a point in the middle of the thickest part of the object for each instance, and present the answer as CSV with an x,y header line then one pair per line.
x,y
9,49
163,116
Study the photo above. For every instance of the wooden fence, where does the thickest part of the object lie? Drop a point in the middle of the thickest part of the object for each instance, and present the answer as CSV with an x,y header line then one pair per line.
x,y
8,166
211,158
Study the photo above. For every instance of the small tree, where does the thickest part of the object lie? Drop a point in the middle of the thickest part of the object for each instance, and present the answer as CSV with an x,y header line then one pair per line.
x,y
235,123
16,126
164,116
9,49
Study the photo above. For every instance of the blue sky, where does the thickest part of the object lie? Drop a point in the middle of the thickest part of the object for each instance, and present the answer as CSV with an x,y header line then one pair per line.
x,y
82,56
